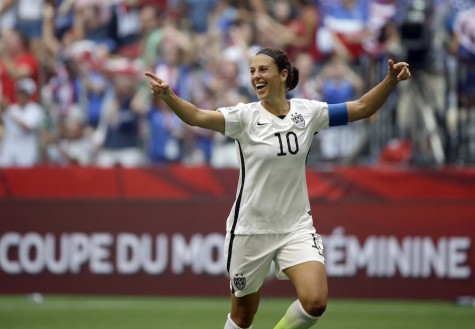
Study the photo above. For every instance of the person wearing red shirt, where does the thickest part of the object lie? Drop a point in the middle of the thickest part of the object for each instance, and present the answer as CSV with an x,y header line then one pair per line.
x,y
16,62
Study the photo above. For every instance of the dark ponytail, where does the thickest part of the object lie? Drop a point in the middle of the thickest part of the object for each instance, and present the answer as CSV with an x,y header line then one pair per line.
x,y
283,62
293,78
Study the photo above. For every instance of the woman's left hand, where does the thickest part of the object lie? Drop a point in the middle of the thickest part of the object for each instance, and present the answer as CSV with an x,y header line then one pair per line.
x,y
399,71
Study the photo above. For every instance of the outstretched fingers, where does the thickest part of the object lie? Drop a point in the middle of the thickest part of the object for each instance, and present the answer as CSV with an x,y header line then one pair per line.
x,y
153,77
157,86
399,70
404,74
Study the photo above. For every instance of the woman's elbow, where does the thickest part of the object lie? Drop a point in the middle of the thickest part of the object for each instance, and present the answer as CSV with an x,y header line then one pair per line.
x,y
194,120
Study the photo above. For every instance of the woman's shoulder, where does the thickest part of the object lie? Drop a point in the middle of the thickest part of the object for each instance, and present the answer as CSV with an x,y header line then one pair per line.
x,y
240,107
306,103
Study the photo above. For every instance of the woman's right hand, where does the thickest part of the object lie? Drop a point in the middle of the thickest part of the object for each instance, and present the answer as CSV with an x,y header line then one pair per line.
x,y
158,87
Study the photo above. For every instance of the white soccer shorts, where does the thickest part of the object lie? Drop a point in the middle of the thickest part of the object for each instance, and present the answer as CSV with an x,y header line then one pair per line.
x,y
251,256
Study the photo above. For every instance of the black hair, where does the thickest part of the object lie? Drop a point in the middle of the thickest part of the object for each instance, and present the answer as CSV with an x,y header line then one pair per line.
x,y
283,62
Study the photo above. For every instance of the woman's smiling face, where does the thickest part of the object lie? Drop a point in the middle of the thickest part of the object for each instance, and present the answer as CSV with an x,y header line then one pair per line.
x,y
266,79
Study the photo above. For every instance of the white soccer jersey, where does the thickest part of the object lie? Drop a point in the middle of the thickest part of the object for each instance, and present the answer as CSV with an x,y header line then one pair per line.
x,y
272,194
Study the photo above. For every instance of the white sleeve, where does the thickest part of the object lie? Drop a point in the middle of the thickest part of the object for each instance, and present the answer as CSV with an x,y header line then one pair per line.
x,y
320,118
234,117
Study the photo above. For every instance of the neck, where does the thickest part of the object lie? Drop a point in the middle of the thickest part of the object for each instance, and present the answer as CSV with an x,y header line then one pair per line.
x,y
278,108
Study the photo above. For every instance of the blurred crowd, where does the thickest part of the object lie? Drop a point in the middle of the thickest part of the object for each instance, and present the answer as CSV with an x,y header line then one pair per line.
x,y
73,91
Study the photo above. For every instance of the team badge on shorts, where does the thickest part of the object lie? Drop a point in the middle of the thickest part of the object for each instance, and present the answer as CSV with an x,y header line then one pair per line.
x,y
239,281
298,120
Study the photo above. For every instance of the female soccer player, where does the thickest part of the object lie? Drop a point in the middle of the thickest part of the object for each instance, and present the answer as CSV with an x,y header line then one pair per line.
x,y
271,219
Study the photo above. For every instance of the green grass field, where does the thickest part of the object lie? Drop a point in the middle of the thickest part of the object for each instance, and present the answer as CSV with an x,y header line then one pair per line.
x,y
60,312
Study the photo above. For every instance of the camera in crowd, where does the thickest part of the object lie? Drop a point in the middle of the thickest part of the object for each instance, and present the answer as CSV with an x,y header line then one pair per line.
x,y
416,34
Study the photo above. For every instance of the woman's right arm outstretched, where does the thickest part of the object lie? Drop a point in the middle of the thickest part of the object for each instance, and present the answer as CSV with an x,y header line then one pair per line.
x,y
187,112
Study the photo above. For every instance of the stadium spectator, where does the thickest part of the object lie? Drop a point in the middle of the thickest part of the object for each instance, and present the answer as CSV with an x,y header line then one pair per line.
x,y
92,21
241,46
63,16
198,143
62,93
118,135
198,12
422,102
93,85
307,87
74,145
22,120
165,143
89,30
389,42
203,146
278,20
29,21
126,26
463,46
461,114
309,20
296,22
16,62
381,23
227,86
339,83
222,17
345,29
151,35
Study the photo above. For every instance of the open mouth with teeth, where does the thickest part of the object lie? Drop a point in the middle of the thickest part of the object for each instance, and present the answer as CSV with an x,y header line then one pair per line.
x,y
260,86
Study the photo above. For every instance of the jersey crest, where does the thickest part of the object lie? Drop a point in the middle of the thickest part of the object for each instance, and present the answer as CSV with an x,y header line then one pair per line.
x,y
239,281
298,120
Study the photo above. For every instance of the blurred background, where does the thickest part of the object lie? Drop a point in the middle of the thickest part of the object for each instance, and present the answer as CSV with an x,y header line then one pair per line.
x,y
104,191
86,60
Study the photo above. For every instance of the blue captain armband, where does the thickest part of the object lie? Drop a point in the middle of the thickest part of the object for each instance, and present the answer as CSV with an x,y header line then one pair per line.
x,y
338,114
